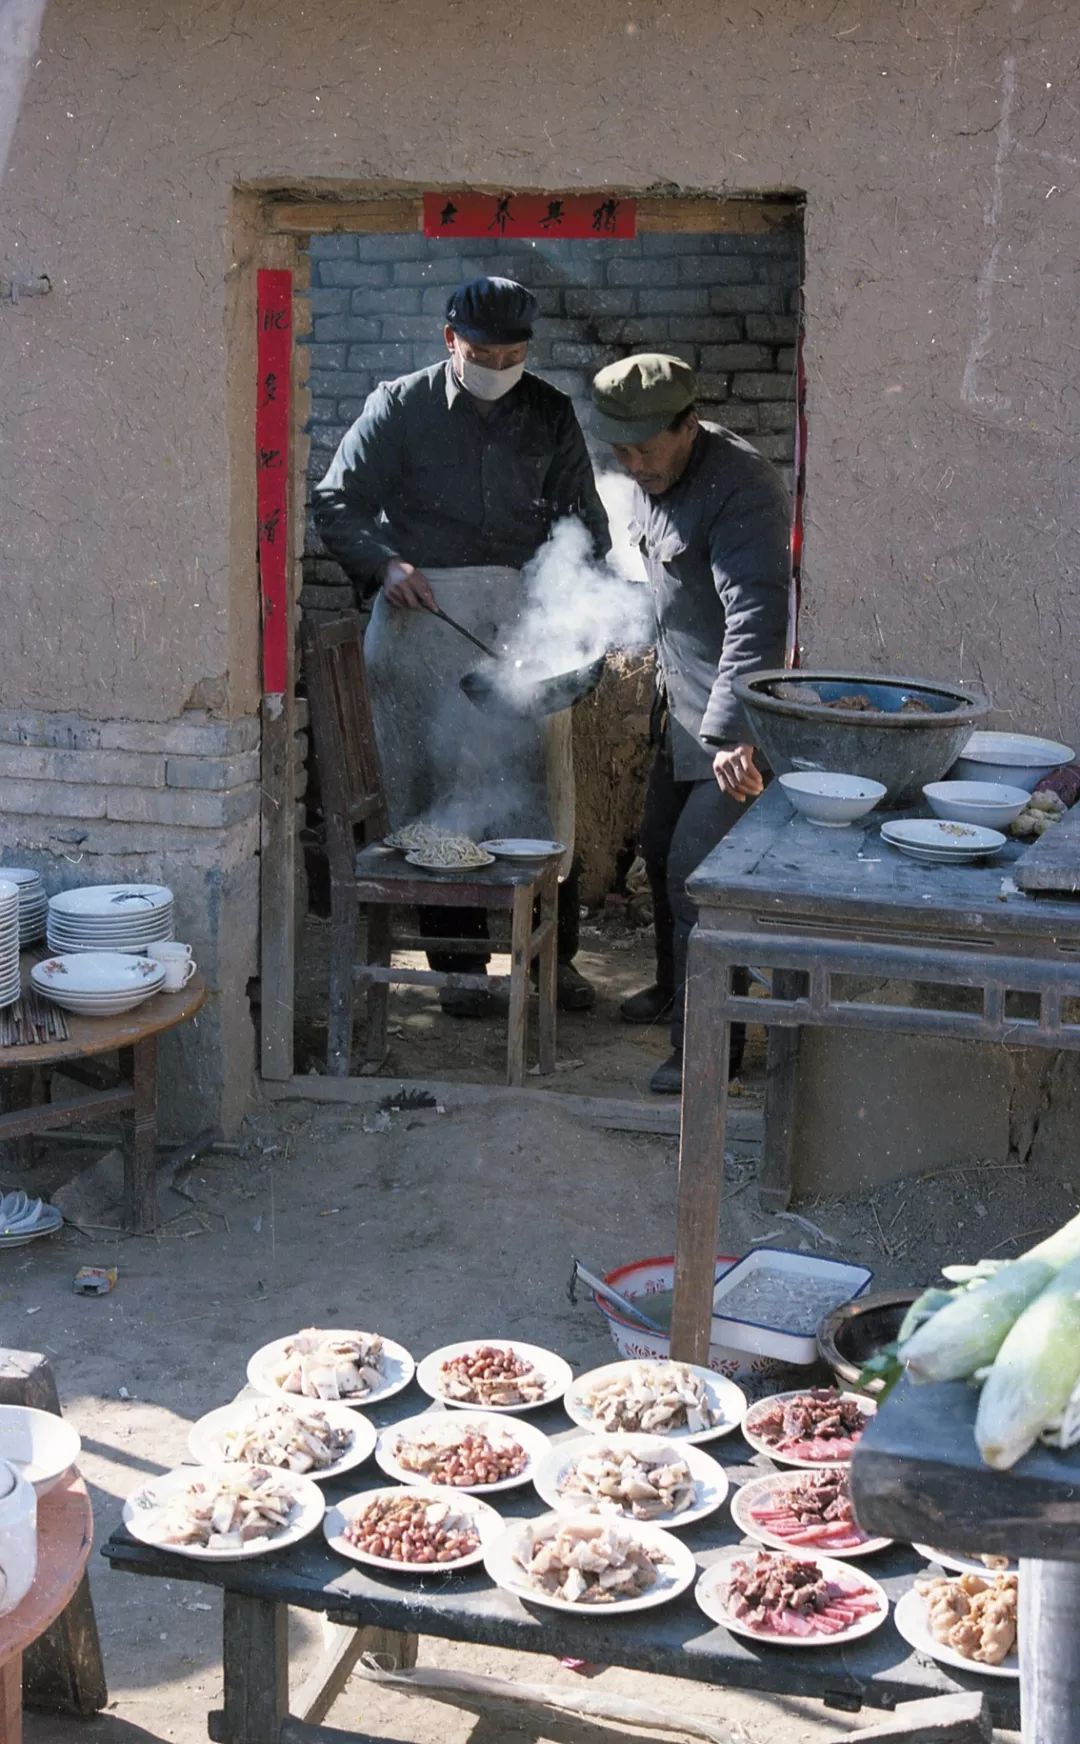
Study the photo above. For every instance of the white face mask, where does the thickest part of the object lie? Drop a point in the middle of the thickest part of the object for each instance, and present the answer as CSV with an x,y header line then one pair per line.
x,y
487,384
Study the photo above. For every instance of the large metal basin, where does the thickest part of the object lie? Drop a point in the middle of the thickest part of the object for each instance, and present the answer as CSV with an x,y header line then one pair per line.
x,y
903,751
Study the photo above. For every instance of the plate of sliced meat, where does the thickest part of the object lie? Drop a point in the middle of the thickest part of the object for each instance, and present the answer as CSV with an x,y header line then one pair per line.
x,y
792,1601
803,1510
818,1426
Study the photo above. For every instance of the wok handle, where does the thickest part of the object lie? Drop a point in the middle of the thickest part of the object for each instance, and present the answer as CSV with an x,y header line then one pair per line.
x,y
437,612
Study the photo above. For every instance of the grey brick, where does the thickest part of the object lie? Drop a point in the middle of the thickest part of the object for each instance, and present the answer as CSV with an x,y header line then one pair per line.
x,y
736,356
554,327
326,357
212,773
187,808
705,329
594,303
761,387
785,359
642,272
383,356
398,300
350,410
336,247
633,332
432,272
422,328
711,269
567,355
745,299
742,419
660,243
140,768
326,599
395,246
324,412
346,385
777,271
549,299
352,272
432,302
775,447
776,414
328,302
32,798
574,383
785,240
682,301
350,329
713,387
779,328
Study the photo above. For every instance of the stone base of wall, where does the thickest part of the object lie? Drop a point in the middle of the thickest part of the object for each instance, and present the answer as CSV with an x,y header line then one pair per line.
x,y
170,802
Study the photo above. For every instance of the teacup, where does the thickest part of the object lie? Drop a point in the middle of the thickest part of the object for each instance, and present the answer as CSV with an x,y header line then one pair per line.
x,y
177,962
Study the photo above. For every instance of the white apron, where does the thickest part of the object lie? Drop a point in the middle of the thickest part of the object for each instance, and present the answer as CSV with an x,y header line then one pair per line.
x,y
443,759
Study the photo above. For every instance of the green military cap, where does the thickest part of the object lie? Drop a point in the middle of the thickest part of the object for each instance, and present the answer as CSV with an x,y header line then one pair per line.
x,y
639,396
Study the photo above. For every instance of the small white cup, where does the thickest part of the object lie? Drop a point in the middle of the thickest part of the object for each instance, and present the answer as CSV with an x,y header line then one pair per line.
x,y
177,962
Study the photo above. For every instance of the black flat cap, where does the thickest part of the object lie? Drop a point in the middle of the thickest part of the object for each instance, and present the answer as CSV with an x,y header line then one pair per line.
x,y
492,311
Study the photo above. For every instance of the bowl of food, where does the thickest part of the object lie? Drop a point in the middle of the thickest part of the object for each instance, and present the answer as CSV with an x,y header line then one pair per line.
x,y
1012,759
902,732
651,1283
851,1334
40,1445
831,800
976,802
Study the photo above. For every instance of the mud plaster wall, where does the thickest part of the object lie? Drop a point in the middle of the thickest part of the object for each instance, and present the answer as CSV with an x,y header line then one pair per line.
x,y
935,146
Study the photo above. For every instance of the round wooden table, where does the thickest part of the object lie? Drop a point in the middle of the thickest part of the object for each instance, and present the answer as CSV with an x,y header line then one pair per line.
x,y
130,1092
65,1534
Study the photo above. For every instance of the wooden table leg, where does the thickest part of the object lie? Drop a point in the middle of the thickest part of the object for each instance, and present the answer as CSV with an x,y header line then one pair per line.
x,y
17,1092
781,1077
379,938
11,1700
344,915
547,977
1049,1662
701,1148
139,1128
520,934
255,1662
344,1647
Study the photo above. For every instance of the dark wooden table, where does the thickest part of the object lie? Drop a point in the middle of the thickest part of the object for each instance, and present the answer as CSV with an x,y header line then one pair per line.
x,y
130,1091
814,905
676,1640
917,1473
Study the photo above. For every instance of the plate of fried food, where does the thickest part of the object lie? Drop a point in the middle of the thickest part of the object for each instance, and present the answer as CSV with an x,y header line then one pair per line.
x,y
968,1622
793,1601
635,1477
813,1427
583,1562
676,1400
317,1440
357,1368
494,1374
462,1450
224,1513
804,1510
413,1530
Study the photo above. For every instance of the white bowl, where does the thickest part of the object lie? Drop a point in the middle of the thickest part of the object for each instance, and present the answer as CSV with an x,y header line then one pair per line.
x,y
832,800
41,1446
976,802
1010,759
643,1278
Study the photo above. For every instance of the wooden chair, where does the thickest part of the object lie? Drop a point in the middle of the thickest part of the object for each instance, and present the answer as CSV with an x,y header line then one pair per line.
x,y
367,874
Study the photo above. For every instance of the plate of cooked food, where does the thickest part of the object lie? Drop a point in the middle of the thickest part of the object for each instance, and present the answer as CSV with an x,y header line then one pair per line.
x,y
676,1400
581,1562
357,1368
792,1601
969,1622
317,1440
813,1427
804,1510
413,1530
636,1477
224,1513
494,1374
953,1559
462,1450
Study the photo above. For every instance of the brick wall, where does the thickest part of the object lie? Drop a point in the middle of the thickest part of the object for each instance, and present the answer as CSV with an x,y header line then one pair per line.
x,y
725,303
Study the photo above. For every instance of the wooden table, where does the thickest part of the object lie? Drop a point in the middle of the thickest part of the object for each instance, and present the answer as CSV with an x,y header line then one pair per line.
x,y
917,1473
676,1640
65,1534
130,1092
812,904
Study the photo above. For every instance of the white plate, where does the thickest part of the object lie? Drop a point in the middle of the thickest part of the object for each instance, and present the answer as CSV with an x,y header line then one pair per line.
x,y
760,1445
481,1514
107,900
451,1427
709,1479
931,857
416,858
47,1224
88,1010
723,1395
1022,750
707,1594
523,848
98,972
910,1619
555,1373
673,1576
398,1366
947,838
759,1489
308,1509
962,1564
207,1439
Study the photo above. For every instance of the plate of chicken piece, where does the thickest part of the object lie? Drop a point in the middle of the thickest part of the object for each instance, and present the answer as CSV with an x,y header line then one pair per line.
x,y
817,1426
462,1450
969,1622
637,1477
804,1510
494,1374
676,1400
792,1601
316,1440
581,1562
355,1368
224,1513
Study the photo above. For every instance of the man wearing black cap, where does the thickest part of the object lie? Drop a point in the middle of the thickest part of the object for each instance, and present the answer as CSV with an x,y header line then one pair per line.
x,y
713,524
455,476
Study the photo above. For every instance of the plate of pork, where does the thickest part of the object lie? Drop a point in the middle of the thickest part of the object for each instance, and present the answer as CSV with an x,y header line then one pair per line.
x,y
791,1601
319,1363
224,1513
676,1400
640,1477
802,1511
816,1426
317,1440
581,1562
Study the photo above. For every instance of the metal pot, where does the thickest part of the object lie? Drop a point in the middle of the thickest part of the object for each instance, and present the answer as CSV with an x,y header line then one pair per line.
x,y
547,697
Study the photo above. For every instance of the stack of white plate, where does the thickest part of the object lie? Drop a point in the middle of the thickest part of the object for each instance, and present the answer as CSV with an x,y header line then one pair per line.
x,y
941,843
10,987
32,901
110,917
23,1219
98,983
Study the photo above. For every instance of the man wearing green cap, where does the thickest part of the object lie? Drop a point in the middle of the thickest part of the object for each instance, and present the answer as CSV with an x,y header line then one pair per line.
x,y
713,524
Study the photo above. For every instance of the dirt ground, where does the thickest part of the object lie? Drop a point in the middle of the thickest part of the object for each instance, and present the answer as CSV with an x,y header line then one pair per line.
x,y
444,1226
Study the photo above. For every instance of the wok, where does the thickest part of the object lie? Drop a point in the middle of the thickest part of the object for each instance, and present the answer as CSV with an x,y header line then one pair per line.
x,y
549,696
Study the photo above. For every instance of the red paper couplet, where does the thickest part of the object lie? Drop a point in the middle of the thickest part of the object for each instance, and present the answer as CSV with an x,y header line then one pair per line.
x,y
575,217
272,471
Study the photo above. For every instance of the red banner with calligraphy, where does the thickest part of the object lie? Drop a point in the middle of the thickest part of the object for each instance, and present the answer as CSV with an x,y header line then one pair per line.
x,y
575,217
272,471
